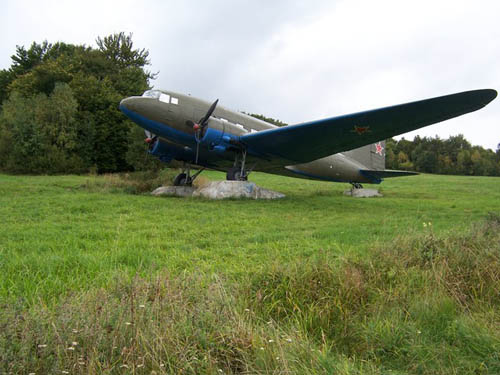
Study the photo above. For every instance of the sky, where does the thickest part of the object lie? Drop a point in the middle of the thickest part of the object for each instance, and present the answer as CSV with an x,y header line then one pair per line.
x,y
294,61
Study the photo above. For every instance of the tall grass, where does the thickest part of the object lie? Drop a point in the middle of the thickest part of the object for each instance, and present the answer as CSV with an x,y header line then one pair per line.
x,y
132,183
422,304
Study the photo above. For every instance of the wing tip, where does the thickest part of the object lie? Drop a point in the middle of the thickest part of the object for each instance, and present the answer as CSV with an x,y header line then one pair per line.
x,y
489,95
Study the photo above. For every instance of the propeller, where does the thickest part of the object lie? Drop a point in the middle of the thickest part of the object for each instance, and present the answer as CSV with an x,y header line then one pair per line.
x,y
200,126
150,138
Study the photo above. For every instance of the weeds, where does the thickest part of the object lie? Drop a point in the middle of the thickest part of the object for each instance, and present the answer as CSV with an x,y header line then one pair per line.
x,y
423,305
130,183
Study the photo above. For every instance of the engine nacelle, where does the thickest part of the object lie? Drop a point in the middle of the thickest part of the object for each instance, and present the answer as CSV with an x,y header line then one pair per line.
x,y
165,151
220,135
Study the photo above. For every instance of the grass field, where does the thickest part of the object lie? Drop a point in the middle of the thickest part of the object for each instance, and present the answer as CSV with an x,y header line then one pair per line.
x,y
94,279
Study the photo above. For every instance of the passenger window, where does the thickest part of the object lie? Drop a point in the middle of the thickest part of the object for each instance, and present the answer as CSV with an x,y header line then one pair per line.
x,y
174,101
241,127
164,98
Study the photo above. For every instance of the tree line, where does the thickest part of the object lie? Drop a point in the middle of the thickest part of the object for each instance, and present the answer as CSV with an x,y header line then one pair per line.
x,y
454,155
59,114
59,108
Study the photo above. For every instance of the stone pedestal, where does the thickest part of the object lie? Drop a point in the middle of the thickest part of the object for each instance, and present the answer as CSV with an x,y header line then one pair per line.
x,y
174,191
220,190
363,193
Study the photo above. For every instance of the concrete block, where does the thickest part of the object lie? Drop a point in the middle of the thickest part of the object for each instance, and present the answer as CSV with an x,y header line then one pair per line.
x,y
174,191
363,193
220,190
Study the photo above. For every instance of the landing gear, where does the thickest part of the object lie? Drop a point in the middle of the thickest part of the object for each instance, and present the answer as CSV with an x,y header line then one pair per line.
x,y
238,172
356,185
184,178
234,174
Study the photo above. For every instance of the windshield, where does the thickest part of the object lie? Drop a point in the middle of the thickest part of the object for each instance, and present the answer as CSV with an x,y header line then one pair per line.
x,y
152,94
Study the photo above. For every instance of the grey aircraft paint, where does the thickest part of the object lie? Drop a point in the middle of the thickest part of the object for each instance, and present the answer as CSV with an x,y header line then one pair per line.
x,y
225,140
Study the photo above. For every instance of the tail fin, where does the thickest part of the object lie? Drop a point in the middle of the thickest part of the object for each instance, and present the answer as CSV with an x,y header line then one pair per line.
x,y
372,156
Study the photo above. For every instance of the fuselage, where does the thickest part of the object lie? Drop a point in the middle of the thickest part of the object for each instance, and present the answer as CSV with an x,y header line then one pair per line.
x,y
170,116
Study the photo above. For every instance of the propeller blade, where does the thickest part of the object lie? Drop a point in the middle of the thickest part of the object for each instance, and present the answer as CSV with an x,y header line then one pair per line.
x,y
204,119
198,128
197,152
148,133
151,141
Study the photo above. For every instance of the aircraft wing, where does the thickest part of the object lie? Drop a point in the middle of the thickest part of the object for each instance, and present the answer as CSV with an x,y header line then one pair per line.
x,y
309,141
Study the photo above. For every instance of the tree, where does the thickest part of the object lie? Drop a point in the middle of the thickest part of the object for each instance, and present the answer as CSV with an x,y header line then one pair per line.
x,y
42,133
23,61
62,100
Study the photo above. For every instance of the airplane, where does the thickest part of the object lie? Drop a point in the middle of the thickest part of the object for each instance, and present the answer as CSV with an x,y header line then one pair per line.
x,y
191,132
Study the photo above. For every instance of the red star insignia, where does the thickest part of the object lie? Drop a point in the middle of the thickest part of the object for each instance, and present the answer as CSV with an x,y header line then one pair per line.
x,y
360,129
379,149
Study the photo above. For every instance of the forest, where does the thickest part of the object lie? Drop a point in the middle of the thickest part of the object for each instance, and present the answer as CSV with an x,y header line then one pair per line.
x,y
454,155
59,115
59,108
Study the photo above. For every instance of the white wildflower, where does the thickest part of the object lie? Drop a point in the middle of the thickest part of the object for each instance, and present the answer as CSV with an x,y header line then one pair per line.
x,y
74,343
261,348
42,345
71,348
127,323
142,306
271,340
289,340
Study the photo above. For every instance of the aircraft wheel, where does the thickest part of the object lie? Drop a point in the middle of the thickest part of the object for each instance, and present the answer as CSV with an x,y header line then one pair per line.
x,y
234,174
182,180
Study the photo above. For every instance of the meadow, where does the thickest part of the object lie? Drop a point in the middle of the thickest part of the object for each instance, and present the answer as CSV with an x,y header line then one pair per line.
x,y
98,277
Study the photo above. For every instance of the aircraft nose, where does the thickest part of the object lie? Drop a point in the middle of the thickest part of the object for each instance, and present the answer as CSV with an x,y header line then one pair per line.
x,y
137,105
129,104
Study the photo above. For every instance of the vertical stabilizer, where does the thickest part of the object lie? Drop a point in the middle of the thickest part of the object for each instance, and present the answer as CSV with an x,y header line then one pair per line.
x,y
372,156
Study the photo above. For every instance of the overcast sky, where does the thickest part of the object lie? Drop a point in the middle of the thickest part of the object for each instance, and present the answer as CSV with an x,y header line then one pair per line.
x,y
293,60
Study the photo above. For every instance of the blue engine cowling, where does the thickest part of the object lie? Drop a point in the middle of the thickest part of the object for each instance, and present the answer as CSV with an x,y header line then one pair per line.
x,y
220,135
164,151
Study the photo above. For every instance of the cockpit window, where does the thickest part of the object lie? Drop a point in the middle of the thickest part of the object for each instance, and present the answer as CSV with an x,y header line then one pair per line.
x,y
156,94
165,98
152,94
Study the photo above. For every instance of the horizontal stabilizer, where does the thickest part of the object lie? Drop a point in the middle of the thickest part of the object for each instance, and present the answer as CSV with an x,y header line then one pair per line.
x,y
386,173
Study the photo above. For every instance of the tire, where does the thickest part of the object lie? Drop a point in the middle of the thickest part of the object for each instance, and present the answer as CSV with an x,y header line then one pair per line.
x,y
234,174
181,180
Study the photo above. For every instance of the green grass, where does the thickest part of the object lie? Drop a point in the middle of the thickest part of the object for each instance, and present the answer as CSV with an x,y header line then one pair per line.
x,y
337,284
